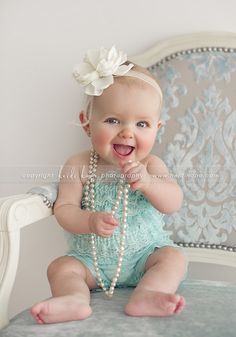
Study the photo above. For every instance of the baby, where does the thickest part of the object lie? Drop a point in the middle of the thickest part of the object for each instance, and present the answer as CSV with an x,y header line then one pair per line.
x,y
112,207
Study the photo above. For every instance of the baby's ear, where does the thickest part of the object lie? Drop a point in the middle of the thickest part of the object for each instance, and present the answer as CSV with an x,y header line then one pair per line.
x,y
159,125
84,122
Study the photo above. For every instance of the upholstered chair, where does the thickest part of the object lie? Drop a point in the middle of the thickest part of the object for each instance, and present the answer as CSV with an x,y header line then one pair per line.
x,y
197,74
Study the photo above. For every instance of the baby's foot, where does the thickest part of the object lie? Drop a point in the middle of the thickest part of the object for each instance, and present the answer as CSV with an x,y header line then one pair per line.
x,y
61,309
153,303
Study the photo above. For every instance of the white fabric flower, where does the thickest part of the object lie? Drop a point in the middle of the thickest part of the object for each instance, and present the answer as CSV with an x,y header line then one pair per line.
x,y
99,66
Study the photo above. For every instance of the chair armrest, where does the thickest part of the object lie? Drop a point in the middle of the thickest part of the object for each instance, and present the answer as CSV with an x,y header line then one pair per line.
x,y
21,210
16,212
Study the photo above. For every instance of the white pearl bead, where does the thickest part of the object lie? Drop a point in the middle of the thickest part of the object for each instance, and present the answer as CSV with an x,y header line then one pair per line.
x,y
120,263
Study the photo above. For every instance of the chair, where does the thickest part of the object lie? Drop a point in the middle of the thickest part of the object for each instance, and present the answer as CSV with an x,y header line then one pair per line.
x,y
197,73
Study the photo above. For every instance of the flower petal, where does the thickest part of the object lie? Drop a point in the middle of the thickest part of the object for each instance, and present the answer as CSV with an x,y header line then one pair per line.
x,y
91,90
123,69
92,56
103,53
123,57
84,73
82,69
103,82
112,53
105,68
89,78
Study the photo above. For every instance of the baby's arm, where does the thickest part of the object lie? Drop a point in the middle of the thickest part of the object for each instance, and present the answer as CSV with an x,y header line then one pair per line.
x,y
154,181
67,208
162,191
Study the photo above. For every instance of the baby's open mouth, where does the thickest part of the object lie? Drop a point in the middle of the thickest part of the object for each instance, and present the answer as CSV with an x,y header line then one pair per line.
x,y
123,150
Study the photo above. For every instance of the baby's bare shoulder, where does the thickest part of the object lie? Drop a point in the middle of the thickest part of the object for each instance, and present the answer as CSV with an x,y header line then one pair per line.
x,y
74,166
70,187
156,164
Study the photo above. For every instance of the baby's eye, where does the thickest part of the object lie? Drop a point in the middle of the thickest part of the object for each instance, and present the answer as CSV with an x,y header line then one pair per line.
x,y
142,124
112,120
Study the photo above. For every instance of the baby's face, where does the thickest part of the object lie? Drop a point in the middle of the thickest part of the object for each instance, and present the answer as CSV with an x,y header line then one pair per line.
x,y
124,122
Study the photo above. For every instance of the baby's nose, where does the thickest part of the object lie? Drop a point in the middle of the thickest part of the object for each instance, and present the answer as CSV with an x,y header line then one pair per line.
x,y
126,133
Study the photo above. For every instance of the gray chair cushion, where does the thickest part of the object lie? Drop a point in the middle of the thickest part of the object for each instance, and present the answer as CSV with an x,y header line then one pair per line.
x,y
210,311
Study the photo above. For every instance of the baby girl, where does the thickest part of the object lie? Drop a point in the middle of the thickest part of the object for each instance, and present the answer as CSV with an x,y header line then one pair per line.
x,y
112,208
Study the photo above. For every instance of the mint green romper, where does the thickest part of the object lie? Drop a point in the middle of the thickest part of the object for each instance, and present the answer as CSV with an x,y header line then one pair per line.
x,y
145,233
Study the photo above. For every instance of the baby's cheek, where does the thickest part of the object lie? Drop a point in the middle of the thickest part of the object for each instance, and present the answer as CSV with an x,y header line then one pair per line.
x,y
147,144
99,134
101,140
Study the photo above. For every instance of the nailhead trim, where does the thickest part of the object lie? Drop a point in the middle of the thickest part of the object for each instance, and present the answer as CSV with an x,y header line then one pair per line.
x,y
206,245
192,51
46,201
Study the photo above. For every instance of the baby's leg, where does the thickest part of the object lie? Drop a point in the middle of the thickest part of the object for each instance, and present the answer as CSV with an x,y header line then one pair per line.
x,y
155,293
70,282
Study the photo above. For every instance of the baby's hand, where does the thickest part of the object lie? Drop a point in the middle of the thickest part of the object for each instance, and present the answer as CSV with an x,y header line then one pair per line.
x,y
102,224
136,175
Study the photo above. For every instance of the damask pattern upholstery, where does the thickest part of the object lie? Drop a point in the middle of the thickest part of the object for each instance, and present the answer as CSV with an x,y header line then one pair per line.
x,y
198,141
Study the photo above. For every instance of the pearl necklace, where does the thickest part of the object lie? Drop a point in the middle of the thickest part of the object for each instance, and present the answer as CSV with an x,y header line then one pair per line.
x,y
123,188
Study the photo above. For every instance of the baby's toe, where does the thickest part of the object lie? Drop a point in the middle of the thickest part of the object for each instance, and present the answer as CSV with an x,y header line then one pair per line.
x,y
180,305
35,312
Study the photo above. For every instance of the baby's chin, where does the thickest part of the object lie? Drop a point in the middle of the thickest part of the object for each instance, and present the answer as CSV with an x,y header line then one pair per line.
x,y
108,161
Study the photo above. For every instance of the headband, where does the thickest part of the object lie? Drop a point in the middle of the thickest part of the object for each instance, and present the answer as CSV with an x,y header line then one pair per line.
x,y
99,67
145,78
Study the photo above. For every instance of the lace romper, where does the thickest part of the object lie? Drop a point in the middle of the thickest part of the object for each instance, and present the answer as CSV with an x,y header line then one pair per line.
x,y
144,233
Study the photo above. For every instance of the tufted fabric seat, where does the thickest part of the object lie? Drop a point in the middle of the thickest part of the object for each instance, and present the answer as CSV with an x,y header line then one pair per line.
x,y
208,312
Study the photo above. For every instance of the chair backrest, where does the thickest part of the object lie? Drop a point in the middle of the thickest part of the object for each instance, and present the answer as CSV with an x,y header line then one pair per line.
x,y
197,74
